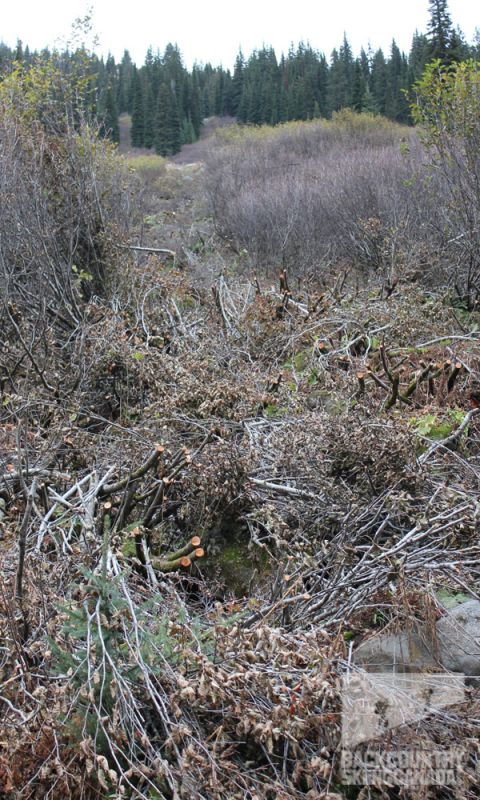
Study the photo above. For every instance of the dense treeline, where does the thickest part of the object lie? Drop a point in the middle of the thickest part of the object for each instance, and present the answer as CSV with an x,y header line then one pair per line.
x,y
167,103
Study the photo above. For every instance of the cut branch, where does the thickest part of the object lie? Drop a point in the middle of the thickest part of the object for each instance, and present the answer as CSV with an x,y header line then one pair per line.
x,y
152,460
279,488
162,250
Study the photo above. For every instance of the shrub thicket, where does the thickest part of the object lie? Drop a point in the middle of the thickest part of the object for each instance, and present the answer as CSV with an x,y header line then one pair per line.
x,y
308,195
447,107
64,203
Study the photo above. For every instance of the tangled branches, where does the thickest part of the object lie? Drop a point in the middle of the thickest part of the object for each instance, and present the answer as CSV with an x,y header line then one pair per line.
x,y
320,443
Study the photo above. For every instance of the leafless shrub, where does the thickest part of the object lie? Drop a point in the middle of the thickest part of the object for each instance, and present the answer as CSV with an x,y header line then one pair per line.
x,y
306,194
63,200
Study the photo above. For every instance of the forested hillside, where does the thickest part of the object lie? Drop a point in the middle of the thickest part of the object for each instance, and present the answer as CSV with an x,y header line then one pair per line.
x,y
167,102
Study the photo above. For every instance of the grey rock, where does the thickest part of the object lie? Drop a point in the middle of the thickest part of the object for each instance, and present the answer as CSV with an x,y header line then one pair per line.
x,y
407,651
458,636
453,645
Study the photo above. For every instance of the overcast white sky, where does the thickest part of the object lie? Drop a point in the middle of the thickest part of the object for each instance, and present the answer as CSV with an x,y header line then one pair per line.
x,y
213,30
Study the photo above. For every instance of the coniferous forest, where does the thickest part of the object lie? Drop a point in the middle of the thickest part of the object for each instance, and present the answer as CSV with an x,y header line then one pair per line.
x,y
167,103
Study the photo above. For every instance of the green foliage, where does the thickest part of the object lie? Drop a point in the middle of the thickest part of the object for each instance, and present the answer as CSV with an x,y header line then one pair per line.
x,y
92,651
273,410
65,183
137,132
162,122
446,104
149,121
264,89
300,360
450,599
150,167
51,91
437,427
106,645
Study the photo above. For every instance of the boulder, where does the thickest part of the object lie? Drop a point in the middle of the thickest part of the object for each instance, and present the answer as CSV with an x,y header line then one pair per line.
x,y
458,639
453,645
407,651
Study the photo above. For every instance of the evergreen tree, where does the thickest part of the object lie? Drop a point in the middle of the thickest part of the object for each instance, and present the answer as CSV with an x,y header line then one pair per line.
x,y
110,119
173,69
282,104
138,111
418,57
369,105
220,94
379,81
149,118
476,46
322,82
168,104
19,51
237,83
124,80
365,65
168,126
439,30
227,94
359,87
174,126
162,136
149,61
188,132
195,115
459,49
341,77
396,105
335,80
6,58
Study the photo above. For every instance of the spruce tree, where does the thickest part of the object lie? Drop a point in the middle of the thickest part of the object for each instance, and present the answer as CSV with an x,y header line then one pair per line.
x,y
282,104
358,87
459,49
149,118
188,132
138,111
379,81
162,135
439,30
418,57
396,105
19,51
341,78
110,120
195,105
125,70
322,82
237,83
174,126
365,65
219,93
